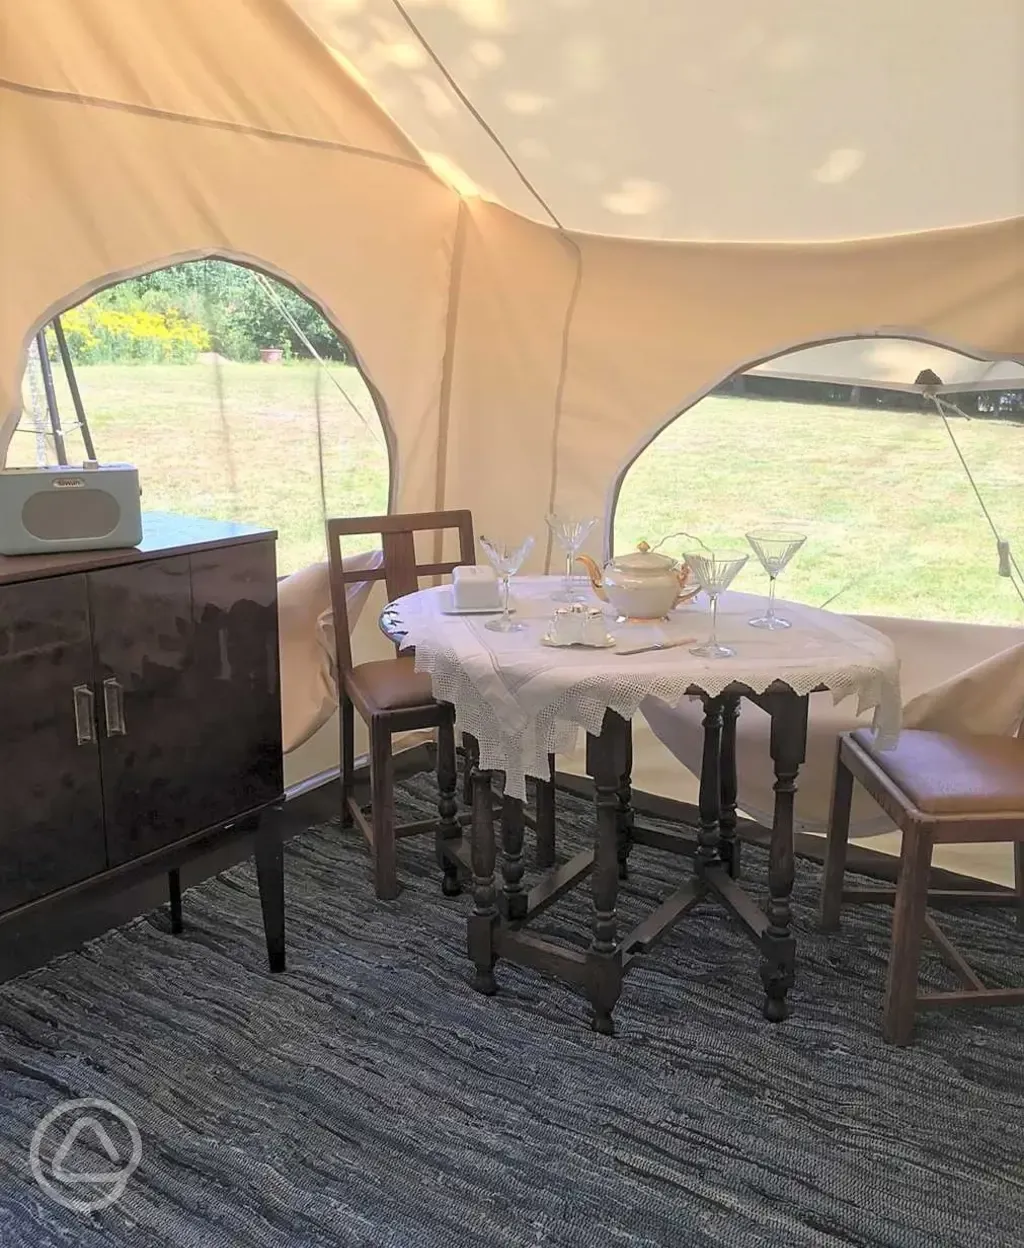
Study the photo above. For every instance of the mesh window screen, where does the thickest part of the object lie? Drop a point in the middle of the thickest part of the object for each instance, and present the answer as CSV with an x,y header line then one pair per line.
x,y
230,393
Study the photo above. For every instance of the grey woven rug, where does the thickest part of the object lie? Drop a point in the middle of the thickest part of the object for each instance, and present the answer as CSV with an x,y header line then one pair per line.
x,y
369,1097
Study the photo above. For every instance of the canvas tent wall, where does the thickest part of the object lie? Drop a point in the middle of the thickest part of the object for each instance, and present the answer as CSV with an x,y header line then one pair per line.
x,y
545,226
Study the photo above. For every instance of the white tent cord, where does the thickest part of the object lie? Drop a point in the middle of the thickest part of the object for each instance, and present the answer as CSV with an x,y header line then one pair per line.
x,y
1006,556
275,298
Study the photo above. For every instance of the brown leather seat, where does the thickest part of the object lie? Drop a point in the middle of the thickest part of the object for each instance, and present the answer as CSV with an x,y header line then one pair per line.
x,y
388,685
943,775
937,789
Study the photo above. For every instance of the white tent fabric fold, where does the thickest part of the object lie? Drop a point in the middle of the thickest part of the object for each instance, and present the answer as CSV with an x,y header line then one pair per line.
x,y
894,364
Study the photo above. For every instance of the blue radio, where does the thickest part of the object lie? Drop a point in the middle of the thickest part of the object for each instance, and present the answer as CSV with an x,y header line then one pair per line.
x,y
61,508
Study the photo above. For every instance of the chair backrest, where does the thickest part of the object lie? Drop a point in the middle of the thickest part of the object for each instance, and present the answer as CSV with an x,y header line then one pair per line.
x,y
399,569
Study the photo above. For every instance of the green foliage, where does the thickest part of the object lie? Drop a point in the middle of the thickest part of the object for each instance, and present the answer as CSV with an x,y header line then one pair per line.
x,y
101,333
228,302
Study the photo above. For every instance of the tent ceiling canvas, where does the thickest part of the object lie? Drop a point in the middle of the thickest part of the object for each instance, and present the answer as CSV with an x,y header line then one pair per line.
x,y
739,120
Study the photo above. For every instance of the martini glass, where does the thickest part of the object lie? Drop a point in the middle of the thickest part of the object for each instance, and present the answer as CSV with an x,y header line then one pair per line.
x,y
506,560
715,573
775,548
570,534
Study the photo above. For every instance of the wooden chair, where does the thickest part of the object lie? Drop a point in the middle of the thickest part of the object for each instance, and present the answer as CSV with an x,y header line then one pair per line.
x,y
390,695
939,790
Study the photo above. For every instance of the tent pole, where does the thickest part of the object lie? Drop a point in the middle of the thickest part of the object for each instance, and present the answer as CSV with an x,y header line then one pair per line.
x,y
76,397
51,399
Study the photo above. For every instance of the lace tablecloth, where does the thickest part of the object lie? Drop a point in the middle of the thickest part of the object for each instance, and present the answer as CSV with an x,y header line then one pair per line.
x,y
522,700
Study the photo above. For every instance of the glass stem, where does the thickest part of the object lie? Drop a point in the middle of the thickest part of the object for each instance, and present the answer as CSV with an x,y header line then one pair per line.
x,y
714,621
505,613
568,574
771,598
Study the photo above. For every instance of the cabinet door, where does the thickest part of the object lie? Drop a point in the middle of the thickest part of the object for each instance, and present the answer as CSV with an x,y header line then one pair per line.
x,y
238,721
51,812
142,637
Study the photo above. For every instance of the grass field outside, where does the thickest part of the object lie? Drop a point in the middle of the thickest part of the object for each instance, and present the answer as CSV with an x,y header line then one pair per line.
x,y
236,442
893,527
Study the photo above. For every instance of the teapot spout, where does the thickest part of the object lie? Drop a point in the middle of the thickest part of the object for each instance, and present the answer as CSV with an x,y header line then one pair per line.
x,y
594,572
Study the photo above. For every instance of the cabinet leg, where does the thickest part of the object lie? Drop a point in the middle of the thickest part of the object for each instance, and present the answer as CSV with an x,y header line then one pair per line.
x,y
270,877
174,890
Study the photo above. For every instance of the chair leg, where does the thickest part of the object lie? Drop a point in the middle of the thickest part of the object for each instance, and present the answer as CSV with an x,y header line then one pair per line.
x,y
348,756
1018,880
449,830
546,819
907,932
835,849
382,812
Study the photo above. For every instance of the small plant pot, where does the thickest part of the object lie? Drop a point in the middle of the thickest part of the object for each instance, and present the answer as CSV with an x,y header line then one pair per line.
x,y
271,355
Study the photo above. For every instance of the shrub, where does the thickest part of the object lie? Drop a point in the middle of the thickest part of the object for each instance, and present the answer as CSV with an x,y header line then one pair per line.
x,y
100,333
200,305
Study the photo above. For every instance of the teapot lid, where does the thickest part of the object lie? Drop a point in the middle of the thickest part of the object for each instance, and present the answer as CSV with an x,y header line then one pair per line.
x,y
643,559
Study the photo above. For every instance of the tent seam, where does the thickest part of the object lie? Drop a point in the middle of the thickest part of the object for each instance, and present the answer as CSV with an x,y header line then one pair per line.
x,y
563,372
563,234
475,113
448,360
210,123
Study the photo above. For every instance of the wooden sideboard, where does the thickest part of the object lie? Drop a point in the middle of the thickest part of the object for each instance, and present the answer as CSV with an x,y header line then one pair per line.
x,y
140,713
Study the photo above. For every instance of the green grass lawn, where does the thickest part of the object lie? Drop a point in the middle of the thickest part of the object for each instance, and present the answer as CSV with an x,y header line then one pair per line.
x,y
892,524
236,442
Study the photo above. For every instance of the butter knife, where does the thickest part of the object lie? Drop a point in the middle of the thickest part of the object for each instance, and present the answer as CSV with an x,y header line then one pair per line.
x,y
656,645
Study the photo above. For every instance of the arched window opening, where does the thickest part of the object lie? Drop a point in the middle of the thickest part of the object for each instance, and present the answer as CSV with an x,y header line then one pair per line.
x,y
842,442
230,392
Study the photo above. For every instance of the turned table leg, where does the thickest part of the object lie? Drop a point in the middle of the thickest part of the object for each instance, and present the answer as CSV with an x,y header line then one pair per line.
x,y
546,818
606,763
778,947
624,814
449,831
480,934
729,846
709,801
513,895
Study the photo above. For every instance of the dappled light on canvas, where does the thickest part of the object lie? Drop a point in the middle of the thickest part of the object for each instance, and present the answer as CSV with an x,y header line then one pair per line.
x,y
635,197
618,114
839,166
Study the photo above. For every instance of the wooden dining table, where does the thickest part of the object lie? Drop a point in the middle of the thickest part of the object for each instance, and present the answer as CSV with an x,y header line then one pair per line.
x,y
521,700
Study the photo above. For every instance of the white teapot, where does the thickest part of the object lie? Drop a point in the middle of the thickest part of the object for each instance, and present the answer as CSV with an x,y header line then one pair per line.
x,y
641,585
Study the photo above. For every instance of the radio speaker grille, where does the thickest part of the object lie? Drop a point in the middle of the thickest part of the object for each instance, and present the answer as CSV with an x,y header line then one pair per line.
x,y
56,516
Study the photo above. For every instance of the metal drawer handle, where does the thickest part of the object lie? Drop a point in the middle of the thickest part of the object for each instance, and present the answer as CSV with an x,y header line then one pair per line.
x,y
84,701
113,707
